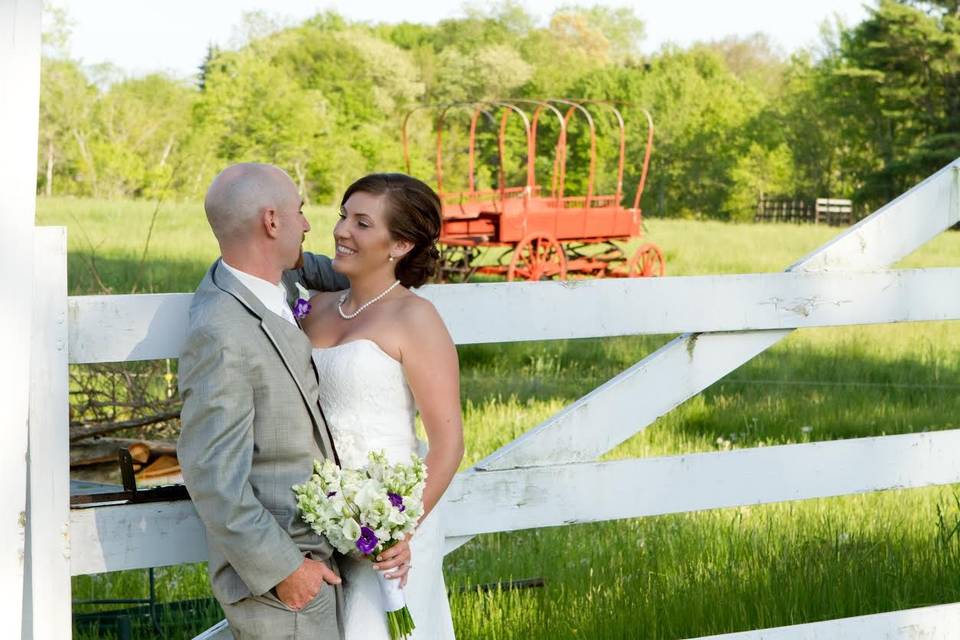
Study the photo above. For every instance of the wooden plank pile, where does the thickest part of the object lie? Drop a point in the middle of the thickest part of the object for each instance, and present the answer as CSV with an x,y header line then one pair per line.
x,y
154,461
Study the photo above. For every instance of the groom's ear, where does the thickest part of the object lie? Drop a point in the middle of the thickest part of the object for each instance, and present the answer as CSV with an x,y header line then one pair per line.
x,y
270,220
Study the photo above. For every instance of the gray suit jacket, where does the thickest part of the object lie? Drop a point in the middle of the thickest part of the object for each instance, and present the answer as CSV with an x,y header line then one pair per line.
x,y
251,428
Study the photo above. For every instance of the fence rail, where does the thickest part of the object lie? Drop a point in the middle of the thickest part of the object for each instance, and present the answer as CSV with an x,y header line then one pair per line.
x,y
127,327
941,622
171,533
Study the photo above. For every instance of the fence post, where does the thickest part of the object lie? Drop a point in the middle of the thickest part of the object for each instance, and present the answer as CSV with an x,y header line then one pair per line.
x,y
19,118
47,567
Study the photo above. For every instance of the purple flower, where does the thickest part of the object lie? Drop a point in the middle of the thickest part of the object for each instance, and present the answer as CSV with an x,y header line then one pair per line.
x,y
301,308
368,541
397,501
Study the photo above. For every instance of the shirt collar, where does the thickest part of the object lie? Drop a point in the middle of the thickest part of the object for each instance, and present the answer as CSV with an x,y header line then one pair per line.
x,y
272,295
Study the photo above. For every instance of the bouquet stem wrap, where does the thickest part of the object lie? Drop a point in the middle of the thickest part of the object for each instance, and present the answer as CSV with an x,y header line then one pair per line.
x,y
399,620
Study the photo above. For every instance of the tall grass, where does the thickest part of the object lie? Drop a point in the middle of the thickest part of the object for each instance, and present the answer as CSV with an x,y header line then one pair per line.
x,y
733,569
669,576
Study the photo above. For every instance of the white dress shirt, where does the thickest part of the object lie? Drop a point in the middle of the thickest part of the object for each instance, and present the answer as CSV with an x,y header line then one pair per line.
x,y
272,296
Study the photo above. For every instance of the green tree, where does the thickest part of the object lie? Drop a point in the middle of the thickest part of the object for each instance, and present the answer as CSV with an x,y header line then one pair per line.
x,y
806,118
895,83
620,26
491,72
67,102
142,126
754,59
253,111
367,84
759,173
570,48
702,113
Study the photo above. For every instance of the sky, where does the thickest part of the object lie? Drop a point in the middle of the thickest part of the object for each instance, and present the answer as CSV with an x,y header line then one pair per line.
x,y
140,36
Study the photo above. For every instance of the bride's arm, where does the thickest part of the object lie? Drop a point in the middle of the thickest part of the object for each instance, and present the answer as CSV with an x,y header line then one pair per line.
x,y
432,370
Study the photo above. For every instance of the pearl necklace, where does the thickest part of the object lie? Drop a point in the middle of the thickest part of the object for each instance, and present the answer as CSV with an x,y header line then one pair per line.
x,y
351,316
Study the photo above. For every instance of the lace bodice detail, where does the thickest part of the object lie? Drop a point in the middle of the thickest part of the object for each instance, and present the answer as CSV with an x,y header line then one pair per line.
x,y
366,401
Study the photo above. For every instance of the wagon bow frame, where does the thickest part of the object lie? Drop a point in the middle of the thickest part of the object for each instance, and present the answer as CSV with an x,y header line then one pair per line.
x,y
540,235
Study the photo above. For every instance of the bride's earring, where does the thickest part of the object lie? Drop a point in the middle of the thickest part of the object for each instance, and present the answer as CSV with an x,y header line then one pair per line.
x,y
391,258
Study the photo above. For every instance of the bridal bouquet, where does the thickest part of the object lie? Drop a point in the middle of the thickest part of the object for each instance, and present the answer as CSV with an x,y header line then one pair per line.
x,y
363,512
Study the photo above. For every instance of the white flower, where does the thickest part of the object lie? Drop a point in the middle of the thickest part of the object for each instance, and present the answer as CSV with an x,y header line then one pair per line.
x,y
336,502
367,494
396,518
350,529
302,291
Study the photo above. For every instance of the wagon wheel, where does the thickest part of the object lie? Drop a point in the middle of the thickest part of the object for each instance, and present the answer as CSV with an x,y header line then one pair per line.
x,y
537,257
646,262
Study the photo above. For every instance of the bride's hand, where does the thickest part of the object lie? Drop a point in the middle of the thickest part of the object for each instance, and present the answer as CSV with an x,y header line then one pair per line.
x,y
397,558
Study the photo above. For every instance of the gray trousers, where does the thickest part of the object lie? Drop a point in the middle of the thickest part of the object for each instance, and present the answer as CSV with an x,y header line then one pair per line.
x,y
267,618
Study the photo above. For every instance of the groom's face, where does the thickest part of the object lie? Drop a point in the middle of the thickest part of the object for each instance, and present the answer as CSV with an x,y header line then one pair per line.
x,y
293,228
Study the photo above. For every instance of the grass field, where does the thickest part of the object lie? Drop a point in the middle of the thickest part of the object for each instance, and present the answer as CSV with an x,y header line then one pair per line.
x,y
665,577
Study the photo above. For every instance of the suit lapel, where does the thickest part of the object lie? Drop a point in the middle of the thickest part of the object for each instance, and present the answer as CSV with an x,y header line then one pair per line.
x,y
278,331
280,336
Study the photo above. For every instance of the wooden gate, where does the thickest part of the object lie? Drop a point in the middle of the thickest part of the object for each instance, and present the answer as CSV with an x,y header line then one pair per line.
x,y
550,476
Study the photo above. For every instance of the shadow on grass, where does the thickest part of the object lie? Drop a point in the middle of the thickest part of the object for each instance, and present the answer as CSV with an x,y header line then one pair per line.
x,y
93,274
797,392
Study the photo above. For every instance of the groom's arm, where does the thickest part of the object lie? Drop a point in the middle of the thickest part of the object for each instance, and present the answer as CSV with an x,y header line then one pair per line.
x,y
316,273
215,450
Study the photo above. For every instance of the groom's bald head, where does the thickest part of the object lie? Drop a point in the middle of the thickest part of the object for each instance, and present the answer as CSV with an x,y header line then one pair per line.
x,y
240,193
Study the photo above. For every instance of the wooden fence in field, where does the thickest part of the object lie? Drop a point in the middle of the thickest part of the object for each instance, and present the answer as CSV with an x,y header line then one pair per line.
x,y
832,211
550,476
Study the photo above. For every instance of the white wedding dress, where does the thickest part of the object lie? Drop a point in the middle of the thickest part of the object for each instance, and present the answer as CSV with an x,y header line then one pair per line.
x,y
368,407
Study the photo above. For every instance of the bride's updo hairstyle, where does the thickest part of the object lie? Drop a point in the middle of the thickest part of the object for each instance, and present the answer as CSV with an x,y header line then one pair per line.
x,y
413,214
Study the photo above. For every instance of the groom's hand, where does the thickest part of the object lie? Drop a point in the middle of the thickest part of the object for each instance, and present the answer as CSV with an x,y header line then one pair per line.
x,y
302,586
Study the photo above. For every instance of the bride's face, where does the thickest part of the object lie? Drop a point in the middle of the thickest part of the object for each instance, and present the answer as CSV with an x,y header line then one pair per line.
x,y
362,236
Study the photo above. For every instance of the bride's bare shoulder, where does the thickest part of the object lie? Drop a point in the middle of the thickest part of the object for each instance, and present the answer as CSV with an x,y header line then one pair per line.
x,y
419,316
412,302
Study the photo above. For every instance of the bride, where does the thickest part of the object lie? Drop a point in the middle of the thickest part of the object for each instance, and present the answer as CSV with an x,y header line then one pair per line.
x,y
382,353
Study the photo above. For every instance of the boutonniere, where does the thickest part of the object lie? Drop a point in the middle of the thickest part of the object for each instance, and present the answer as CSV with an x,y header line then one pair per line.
x,y
302,306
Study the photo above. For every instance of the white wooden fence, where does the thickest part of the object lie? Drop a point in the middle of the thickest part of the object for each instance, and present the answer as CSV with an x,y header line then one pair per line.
x,y
550,476
19,97
534,481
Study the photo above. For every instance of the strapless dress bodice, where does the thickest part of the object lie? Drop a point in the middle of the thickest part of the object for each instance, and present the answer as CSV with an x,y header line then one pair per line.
x,y
366,402
369,406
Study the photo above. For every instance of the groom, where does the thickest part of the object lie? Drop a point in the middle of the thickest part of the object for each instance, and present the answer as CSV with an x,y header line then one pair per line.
x,y
252,425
